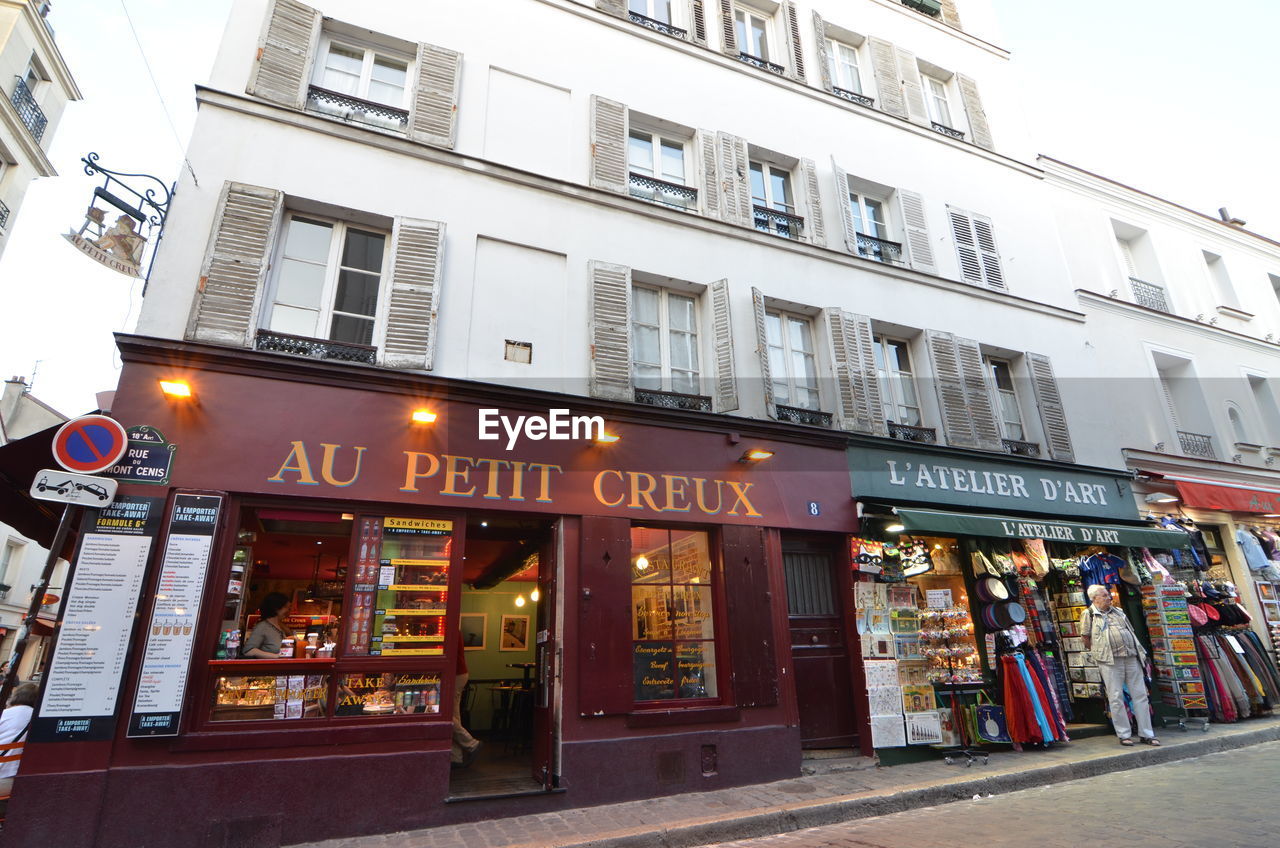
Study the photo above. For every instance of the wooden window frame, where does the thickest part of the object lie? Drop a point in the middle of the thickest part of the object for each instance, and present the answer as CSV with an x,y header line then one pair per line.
x,y
834,47
664,331
371,52
994,363
789,377
889,381
748,14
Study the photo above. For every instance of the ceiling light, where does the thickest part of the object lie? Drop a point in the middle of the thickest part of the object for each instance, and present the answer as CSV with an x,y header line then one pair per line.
x,y
1162,497
519,600
484,524
755,455
176,388
347,516
423,416
535,595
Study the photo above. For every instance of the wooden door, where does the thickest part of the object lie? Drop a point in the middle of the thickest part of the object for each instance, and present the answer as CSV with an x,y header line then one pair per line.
x,y
546,695
819,651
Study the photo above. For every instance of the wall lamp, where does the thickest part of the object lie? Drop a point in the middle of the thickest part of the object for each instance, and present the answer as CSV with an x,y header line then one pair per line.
x,y
755,455
176,388
1161,497
607,438
423,416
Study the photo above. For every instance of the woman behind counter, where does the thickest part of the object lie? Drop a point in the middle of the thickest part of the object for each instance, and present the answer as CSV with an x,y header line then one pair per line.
x,y
265,638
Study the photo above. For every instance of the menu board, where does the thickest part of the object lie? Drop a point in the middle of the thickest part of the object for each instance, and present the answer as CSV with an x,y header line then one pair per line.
x,y
402,587
83,685
157,705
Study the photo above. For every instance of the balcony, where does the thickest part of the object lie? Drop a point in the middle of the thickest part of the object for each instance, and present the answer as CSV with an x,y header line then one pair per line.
x,y
932,8
1196,444
779,223
356,111
860,99
880,250
1149,295
315,348
28,109
907,433
657,26
1017,447
4,215
673,400
763,64
796,415
677,196
949,132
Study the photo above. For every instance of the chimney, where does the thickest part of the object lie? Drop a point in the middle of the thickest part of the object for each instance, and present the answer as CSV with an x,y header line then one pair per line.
x,y
1226,217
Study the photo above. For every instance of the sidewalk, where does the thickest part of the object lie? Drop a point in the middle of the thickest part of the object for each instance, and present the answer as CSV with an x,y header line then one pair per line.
x,y
837,790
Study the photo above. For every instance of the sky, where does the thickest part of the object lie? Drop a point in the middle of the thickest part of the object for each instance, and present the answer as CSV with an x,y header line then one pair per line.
x,y
1167,96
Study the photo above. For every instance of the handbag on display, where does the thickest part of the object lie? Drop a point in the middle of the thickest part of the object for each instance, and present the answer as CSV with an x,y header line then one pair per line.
x,y
991,721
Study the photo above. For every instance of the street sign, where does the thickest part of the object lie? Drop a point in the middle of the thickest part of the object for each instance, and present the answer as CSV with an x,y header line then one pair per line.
x,y
148,459
89,444
53,484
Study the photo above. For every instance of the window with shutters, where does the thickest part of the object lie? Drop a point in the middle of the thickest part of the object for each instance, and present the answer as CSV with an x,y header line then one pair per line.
x,y
976,249
772,201
793,367
327,285
673,620
846,71
664,16
937,100
361,83
897,381
871,227
1008,408
657,168
664,341
754,32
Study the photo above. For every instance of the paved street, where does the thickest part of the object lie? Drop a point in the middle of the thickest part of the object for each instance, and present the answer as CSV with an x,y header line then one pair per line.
x,y
1227,800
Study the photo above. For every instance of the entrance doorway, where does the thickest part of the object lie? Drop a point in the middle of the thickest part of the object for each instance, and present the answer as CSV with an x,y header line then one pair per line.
x,y
507,604
819,647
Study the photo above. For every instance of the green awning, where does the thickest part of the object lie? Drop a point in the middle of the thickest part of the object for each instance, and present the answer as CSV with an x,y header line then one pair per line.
x,y
1008,527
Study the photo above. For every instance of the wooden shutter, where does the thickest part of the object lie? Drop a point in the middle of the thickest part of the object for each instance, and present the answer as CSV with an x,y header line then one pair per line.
x,y
814,224
916,225
726,394
986,240
950,16
735,181
435,96
749,609
608,145
858,386
966,246
846,212
235,264
979,129
284,53
417,250
698,22
604,617
618,8
979,397
884,66
728,35
791,23
710,174
1053,417
949,383
611,331
824,51
912,87
762,349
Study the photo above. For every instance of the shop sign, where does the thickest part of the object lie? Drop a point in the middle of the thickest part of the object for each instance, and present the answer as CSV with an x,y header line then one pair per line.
x,y
82,691
147,459
162,684
918,477
1009,527
1228,498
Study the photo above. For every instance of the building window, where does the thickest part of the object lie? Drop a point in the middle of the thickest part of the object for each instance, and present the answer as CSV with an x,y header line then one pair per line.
x,y
753,33
654,159
664,338
654,10
1267,408
10,562
869,220
845,72
935,96
673,617
771,193
328,282
1010,412
1237,425
897,381
792,364
364,73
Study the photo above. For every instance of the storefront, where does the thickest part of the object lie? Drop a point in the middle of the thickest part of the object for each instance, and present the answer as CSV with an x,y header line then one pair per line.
x,y
614,599
972,577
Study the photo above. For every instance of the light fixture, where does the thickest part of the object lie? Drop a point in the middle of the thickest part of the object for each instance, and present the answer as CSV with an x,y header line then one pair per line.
x,y
423,416
895,527
1162,497
347,516
755,455
484,524
519,600
642,562
607,438
535,595
176,388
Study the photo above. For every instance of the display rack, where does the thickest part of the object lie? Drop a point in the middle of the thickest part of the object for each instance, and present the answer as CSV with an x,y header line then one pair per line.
x,y
952,754
1173,656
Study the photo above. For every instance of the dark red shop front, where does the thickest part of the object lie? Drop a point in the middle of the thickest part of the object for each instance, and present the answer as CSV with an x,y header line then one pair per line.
x,y
660,657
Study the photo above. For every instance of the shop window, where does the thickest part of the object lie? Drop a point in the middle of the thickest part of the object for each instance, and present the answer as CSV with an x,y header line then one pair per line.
x,y
673,617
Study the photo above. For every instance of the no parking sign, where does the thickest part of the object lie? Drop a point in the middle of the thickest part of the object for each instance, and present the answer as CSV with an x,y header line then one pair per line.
x,y
89,444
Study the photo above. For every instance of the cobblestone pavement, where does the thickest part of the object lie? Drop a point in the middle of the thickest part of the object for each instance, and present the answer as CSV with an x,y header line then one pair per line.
x,y
1226,800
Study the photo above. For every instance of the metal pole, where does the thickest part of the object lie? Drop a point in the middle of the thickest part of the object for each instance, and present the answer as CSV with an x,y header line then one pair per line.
x,y
69,513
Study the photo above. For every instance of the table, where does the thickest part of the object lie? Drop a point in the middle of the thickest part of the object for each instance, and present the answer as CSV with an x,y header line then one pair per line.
x,y
527,668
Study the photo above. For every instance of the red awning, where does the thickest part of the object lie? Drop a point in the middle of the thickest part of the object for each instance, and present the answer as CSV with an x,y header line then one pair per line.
x,y
19,462
1228,498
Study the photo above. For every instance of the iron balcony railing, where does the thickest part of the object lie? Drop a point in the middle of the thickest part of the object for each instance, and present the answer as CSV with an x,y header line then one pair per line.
x,y
673,400
657,26
907,433
853,95
315,348
4,215
1017,447
679,196
1148,295
762,63
796,415
28,109
355,110
947,131
779,223
881,250
1196,444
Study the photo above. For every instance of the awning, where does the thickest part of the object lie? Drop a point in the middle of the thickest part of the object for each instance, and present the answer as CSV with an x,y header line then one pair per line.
x,y
1227,497
20,460
1009,527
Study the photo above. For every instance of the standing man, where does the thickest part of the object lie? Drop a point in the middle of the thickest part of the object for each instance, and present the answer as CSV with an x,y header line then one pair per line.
x,y
465,746
1112,644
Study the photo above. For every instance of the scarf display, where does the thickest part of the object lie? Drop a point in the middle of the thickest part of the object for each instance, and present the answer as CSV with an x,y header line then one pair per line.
x,y
1032,708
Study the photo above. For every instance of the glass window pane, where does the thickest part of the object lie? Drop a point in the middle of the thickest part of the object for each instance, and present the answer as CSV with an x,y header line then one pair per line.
x,y
740,28
348,328
684,352
690,557
363,251
357,293
390,71
855,209
308,240
799,335
672,161
648,347
294,321
781,388
691,612
651,618
878,346
647,376
342,69
680,312
385,93
264,698
757,183
645,304
650,555
696,670
653,669
900,357
685,383
773,328
374,694
759,41
780,184
661,11
300,283
640,154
